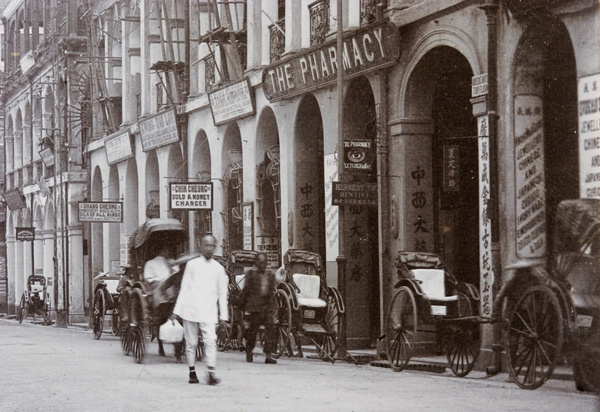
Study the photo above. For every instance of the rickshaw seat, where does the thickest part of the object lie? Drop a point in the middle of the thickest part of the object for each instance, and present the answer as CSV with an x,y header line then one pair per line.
x,y
240,281
432,283
309,286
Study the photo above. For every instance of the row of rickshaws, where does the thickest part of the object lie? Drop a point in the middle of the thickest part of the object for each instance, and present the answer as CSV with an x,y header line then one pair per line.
x,y
548,313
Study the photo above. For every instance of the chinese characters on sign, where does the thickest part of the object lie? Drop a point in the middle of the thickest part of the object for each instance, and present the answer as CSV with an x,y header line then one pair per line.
x,y
589,136
529,174
418,202
248,221
451,168
485,225
269,245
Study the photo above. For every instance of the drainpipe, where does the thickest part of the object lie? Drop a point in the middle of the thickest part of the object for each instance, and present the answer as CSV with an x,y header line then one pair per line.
x,y
341,259
491,7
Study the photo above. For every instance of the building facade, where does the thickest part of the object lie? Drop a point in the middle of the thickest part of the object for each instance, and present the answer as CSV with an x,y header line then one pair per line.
x,y
462,125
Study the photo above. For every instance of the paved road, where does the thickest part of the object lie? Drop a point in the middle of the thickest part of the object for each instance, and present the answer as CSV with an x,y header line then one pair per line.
x,y
52,369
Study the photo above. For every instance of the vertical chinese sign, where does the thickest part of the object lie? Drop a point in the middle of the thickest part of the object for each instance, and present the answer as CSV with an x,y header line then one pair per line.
x,y
589,136
529,176
485,225
418,224
451,168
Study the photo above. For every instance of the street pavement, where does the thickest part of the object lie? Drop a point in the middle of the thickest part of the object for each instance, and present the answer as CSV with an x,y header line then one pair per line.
x,y
46,368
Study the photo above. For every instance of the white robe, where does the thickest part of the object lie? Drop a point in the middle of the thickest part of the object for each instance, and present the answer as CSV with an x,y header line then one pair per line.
x,y
204,285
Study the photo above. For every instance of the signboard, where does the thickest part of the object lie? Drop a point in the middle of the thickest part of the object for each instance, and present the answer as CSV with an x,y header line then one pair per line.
x,y
191,196
231,102
247,220
14,199
529,175
108,212
158,130
486,274
354,194
370,48
479,85
47,157
118,147
451,167
269,245
358,156
331,212
589,136
25,234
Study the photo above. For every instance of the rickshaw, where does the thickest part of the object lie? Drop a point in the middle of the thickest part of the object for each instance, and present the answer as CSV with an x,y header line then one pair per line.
x,y
231,338
141,314
551,311
429,299
236,266
35,296
316,310
106,302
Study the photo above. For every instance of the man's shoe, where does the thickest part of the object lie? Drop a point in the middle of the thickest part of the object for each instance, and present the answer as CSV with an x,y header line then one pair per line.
x,y
249,356
270,360
193,378
212,379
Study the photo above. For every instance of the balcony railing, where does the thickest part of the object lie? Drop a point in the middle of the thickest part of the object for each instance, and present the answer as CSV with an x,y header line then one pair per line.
x,y
277,35
319,21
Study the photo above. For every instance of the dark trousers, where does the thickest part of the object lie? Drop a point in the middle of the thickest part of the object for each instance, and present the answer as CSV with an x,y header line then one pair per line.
x,y
255,319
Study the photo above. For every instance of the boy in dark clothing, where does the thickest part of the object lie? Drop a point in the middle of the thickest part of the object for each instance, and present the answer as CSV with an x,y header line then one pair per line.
x,y
258,299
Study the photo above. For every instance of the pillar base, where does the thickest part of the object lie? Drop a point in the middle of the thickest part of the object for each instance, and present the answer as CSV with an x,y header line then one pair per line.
x,y
61,319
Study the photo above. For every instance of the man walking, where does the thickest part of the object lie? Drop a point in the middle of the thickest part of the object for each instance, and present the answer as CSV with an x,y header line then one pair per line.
x,y
258,299
204,285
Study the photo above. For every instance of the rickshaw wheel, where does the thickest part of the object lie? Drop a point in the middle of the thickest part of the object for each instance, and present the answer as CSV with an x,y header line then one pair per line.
x,y
98,315
199,348
586,371
116,323
136,319
126,340
463,348
223,334
535,337
333,326
401,329
283,322
22,312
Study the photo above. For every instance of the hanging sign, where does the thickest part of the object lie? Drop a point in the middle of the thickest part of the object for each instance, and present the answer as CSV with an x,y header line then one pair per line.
x,y
191,196
25,234
231,102
358,156
589,136
363,51
354,194
118,147
14,199
47,157
108,212
158,130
